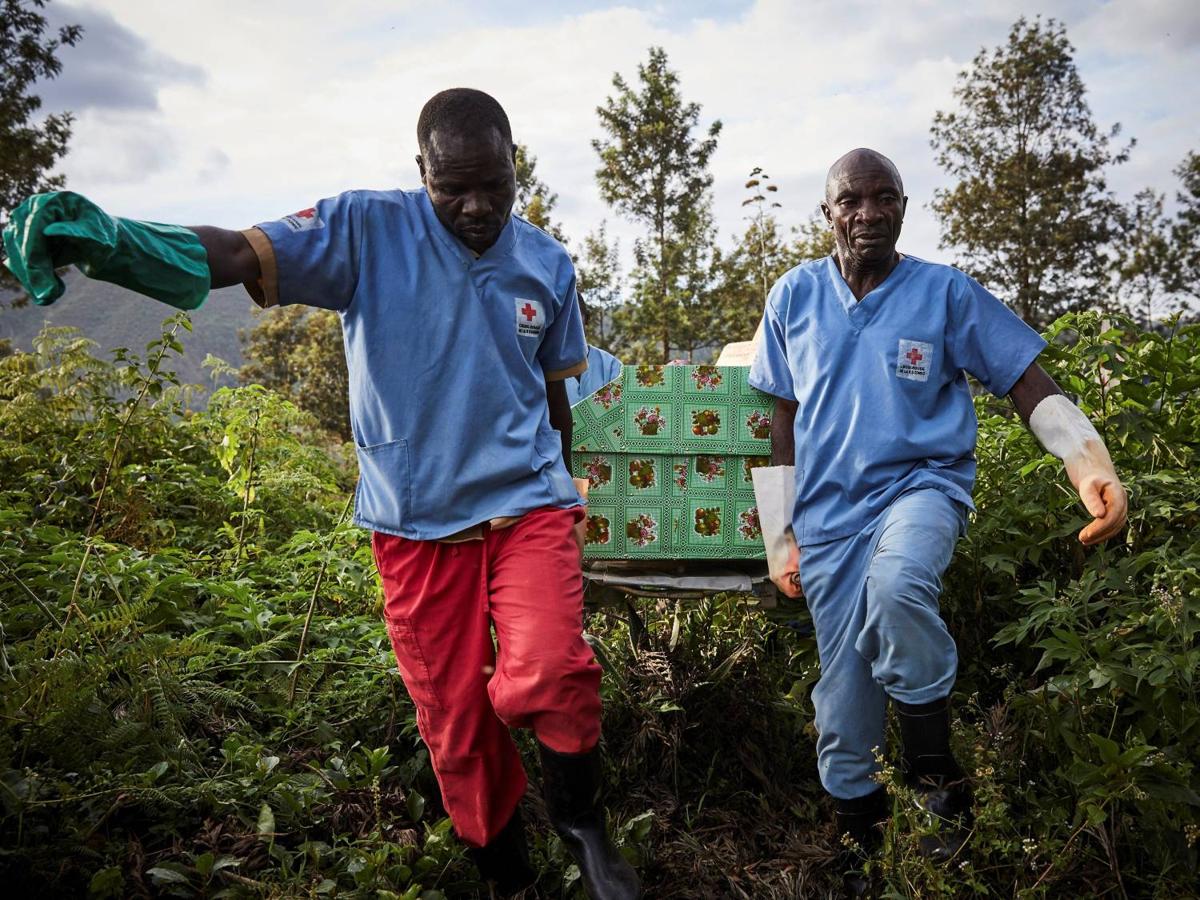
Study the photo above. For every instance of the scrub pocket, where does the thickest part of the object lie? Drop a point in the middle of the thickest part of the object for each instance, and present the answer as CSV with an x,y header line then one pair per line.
x,y
547,453
384,494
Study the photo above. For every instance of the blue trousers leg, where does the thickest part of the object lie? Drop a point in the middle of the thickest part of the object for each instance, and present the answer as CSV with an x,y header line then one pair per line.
x,y
874,602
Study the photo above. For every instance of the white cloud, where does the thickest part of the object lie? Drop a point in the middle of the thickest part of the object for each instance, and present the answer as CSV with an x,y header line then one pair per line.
x,y
298,103
118,148
111,67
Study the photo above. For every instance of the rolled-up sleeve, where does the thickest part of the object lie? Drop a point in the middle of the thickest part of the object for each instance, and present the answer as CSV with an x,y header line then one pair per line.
x,y
988,340
563,351
770,371
310,257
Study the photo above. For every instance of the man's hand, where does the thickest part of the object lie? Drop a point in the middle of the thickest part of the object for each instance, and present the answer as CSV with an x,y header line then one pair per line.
x,y
60,228
1065,431
44,233
775,493
1101,492
788,581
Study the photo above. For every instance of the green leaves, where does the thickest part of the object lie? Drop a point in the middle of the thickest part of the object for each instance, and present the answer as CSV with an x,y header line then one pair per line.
x,y
1103,641
158,710
266,823
161,696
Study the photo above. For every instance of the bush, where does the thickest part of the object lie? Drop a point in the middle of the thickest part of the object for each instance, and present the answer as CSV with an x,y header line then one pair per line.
x,y
199,698
1079,666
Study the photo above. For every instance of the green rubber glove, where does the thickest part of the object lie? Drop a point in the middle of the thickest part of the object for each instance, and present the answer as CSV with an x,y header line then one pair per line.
x,y
48,231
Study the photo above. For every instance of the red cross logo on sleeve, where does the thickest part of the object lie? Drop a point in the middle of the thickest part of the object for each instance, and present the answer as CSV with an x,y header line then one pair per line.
x,y
914,355
531,316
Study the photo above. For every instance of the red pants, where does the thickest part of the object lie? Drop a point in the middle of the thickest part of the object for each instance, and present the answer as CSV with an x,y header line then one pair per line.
x,y
441,603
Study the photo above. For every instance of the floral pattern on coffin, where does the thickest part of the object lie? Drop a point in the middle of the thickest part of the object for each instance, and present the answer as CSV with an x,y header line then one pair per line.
x,y
641,473
748,525
650,376
750,463
710,468
706,377
596,530
708,521
641,530
599,471
652,473
649,421
681,475
706,422
759,424
608,396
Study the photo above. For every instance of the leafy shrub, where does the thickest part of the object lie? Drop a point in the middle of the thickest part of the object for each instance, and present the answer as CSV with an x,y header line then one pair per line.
x,y
1080,666
199,698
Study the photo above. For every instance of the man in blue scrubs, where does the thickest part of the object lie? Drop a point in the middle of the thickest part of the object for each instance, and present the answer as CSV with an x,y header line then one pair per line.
x,y
460,323
867,353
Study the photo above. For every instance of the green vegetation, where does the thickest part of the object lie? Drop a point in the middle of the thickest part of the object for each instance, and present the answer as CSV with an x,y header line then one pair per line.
x,y
199,698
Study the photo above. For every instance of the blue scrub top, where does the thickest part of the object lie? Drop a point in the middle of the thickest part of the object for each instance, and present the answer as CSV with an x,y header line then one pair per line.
x,y
884,405
448,355
602,368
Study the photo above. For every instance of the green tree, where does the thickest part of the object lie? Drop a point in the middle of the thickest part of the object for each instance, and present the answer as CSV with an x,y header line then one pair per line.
x,y
813,239
1029,212
535,201
743,276
598,277
1185,230
297,352
654,171
28,54
761,203
28,148
1145,258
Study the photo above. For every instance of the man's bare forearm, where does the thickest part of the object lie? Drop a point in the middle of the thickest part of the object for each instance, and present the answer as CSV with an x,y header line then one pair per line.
x,y
231,259
1032,388
783,433
560,416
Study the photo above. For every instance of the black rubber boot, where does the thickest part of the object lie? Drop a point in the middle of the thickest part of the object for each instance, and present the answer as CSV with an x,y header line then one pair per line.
x,y
504,861
931,769
571,786
860,828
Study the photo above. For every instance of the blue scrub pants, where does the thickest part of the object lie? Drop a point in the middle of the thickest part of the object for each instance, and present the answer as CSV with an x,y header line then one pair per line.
x,y
874,603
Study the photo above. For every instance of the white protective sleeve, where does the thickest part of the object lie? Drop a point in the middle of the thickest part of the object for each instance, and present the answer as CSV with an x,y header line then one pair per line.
x,y
775,494
1062,427
1066,432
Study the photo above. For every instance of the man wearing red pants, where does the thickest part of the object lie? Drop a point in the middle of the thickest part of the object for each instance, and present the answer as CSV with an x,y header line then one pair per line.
x,y
460,323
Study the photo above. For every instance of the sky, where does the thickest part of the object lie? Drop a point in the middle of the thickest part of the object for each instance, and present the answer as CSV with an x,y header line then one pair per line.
x,y
231,113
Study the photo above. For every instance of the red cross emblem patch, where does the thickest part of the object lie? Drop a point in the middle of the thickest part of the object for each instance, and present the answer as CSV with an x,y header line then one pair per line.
x,y
305,220
531,317
913,360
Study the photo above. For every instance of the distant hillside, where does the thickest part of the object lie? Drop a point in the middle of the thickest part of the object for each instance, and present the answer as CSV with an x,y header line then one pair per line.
x,y
114,317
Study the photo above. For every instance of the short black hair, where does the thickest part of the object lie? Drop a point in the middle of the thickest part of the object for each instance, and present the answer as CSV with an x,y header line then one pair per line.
x,y
464,111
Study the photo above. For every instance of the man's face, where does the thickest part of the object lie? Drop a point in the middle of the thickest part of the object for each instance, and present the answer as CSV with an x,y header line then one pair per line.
x,y
471,184
865,204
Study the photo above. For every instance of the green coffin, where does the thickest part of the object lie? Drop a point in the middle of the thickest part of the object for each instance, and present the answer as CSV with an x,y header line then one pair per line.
x,y
667,451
